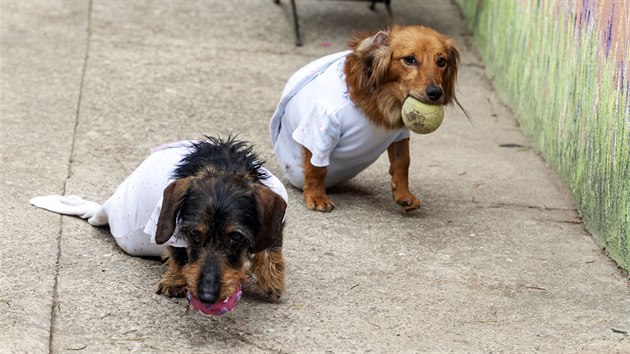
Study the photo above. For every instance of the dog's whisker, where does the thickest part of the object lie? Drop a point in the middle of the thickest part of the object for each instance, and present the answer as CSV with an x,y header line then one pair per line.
x,y
465,111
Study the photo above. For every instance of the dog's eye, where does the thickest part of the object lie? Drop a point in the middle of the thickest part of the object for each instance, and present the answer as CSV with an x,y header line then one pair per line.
x,y
195,235
410,60
441,62
235,236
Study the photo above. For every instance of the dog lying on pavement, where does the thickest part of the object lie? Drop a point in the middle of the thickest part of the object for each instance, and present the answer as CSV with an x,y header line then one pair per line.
x,y
338,114
214,205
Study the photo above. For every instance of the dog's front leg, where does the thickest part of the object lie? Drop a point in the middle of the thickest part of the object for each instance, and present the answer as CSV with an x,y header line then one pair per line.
x,y
173,282
268,267
399,170
314,185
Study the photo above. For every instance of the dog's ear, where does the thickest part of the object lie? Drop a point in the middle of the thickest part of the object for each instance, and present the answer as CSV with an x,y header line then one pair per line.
x,y
449,81
272,208
371,42
171,201
372,56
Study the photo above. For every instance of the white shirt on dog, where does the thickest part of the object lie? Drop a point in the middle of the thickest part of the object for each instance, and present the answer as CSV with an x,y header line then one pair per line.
x,y
315,111
132,212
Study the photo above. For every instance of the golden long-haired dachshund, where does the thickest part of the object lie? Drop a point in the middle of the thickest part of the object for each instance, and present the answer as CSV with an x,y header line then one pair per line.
x,y
338,114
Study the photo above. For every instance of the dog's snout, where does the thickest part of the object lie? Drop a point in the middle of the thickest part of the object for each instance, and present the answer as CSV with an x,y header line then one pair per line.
x,y
434,93
209,290
209,284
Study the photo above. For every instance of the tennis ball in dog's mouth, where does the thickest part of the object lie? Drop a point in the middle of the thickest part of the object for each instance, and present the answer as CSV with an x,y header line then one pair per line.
x,y
217,309
421,118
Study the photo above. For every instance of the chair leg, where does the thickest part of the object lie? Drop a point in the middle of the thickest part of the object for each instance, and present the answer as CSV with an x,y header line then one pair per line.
x,y
296,24
389,9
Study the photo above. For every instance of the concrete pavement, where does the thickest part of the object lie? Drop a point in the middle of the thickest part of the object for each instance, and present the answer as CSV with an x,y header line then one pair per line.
x,y
496,261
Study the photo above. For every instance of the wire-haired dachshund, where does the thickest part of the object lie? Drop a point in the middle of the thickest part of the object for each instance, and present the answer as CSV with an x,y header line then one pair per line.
x,y
212,203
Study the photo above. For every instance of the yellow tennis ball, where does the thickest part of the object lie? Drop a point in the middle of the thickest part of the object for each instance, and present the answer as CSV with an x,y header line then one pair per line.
x,y
421,118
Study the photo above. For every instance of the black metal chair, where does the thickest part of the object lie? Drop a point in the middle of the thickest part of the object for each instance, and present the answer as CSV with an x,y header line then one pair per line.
x,y
296,24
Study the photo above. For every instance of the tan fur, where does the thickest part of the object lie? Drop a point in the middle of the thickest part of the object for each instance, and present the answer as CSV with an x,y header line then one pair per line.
x,y
173,282
230,280
191,272
381,93
268,267
177,280
379,80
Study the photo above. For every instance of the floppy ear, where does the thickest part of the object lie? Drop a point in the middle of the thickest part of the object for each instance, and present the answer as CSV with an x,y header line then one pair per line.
x,y
374,56
171,201
272,208
449,81
378,40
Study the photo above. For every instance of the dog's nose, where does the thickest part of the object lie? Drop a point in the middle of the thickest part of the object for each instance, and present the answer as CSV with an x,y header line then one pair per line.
x,y
210,282
434,93
209,289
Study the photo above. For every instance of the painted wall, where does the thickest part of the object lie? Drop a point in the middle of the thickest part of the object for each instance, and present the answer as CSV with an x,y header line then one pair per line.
x,y
563,66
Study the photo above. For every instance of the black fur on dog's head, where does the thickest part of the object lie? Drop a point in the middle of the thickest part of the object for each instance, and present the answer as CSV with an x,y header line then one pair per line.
x,y
218,205
229,156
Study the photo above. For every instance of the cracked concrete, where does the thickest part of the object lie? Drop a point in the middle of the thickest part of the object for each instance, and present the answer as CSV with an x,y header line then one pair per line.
x,y
496,260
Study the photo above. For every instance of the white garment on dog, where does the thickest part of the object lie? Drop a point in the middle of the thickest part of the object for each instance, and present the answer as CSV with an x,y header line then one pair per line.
x,y
133,210
315,111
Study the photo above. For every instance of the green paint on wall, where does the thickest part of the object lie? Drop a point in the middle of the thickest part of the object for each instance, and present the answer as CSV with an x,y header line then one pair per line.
x,y
564,71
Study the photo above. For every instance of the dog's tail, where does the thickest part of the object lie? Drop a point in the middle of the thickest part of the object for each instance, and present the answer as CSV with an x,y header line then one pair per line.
x,y
72,205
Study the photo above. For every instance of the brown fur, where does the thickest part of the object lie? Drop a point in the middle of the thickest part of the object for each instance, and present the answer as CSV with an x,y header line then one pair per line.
x,y
172,284
178,279
381,90
314,188
399,161
268,268
379,80
230,279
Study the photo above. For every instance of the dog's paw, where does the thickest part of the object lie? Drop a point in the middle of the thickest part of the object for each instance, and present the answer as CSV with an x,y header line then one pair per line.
x,y
170,289
409,203
272,290
274,294
319,203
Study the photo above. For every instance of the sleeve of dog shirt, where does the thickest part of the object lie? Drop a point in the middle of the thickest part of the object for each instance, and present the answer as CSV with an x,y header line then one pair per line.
x,y
275,184
319,132
404,134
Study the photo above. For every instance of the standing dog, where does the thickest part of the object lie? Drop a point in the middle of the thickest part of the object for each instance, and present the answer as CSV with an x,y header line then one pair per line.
x,y
214,205
338,114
